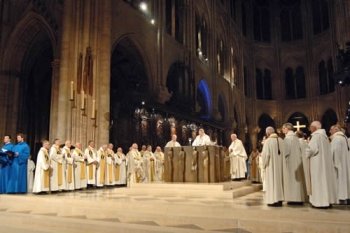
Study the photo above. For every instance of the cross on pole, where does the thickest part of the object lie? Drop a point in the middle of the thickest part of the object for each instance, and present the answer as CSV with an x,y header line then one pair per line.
x,y
298,126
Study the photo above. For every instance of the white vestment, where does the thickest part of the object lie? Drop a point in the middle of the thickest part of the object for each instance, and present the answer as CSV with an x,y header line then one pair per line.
x,y
80,176
121,162
173,144
90,155
148,166
135,170
42,172
57,181
202,141
159,166
69,171
272,154
238,156
306,165
110,168
322,170
293,173
30,177
101,168
341,153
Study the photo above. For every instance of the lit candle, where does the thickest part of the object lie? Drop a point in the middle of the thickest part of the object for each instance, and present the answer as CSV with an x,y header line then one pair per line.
x,y
93,110
71,90
82,102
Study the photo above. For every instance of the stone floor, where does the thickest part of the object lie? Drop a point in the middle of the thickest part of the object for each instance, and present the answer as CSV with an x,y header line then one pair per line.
x,y
162,208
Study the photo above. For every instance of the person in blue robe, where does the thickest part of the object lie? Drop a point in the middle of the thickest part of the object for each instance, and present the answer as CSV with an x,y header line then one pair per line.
x,y
5,163
17,182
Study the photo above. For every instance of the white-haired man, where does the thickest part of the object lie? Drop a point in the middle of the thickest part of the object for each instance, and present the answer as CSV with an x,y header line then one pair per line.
x,y
341,153
322,172
272,154
173,142
238,157
293,173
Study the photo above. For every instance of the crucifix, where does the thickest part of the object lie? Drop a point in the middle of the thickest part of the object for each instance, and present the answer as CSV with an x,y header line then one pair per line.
x,y
298,126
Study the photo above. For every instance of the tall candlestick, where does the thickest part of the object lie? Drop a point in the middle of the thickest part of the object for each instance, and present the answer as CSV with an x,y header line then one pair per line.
x,y
82,100
71,91
93,110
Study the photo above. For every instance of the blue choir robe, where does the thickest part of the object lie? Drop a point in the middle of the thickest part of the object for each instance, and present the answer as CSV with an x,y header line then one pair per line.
x,y
5,165
17,182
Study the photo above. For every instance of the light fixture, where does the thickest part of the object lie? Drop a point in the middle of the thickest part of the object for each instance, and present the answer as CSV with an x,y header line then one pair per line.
x,y
143,6
153,21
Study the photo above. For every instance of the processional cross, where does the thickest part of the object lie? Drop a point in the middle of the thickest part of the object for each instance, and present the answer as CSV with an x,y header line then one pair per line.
x,y
298,126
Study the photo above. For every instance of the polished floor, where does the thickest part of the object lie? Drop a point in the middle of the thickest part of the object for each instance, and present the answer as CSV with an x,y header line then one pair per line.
x,y
163,208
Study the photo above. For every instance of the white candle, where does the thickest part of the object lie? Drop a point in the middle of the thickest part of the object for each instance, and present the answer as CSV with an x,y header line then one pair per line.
x,y
71,90
82,100
93,110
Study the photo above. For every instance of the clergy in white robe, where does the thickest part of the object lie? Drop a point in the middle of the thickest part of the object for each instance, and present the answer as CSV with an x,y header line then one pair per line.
x,y
42,172
91,163
80,176
135,165
202,139
110,166
101,167
254,166
148,165
306,161
340,152
322,170
120,163
238,157
173,142
30,170
293,173
69,171
159,166
57,179
272,154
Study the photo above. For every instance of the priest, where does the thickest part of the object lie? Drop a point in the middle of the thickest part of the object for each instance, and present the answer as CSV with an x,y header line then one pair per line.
x,y
101,168
80,167
272,153
202,139
159,166
57,179
5,162
293,173
18,173
340,152
91,157
322,170
238,157
110,165
42,172
121,162
69,170
173,142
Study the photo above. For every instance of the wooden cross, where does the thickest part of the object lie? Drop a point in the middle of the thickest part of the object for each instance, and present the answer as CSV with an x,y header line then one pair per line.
x,y
298,126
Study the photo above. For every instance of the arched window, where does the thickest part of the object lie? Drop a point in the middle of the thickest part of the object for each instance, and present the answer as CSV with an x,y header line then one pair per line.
x,y
329,118
325,74
174,10
263,84
289,83
201,37
261,18
291,20
300,82
320,16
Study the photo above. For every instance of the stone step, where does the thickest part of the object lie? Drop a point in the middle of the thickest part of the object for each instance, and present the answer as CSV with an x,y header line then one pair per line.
x,y
245,190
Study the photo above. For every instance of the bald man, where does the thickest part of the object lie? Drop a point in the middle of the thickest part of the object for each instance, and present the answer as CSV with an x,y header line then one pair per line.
x,y
322,170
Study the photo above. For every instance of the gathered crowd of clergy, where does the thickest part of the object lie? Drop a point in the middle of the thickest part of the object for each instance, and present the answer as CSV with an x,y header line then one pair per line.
x,y
296,170
292,169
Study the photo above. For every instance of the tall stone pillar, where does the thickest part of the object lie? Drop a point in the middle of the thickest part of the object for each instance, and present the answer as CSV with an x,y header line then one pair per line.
x,y
86,24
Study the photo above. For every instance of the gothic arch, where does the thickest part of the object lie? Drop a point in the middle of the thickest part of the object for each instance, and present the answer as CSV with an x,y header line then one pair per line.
x,y
263,122
137,46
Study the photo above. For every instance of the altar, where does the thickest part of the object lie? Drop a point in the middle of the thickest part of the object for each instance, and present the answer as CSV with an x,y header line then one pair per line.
x,y
196,164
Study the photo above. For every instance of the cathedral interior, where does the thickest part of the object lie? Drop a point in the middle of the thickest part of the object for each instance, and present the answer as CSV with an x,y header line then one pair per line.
x,y
126,71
